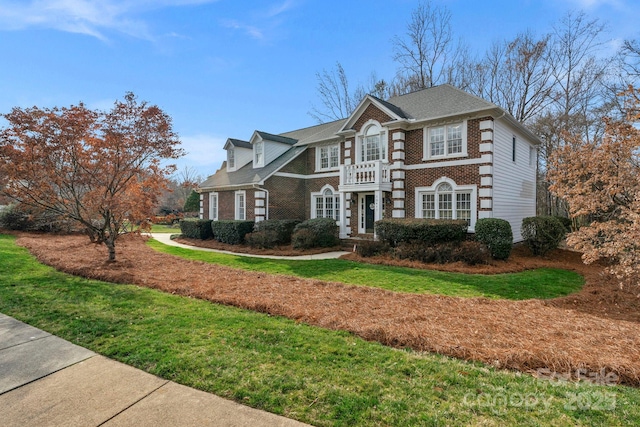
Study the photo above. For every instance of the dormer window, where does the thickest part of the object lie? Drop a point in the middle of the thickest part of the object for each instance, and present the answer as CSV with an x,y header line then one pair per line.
x,y
258,151
231,158
373,144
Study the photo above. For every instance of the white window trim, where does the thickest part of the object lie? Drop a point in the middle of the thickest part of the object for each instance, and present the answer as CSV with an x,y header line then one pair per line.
x,y
237,208
255,154
318,163
320,193
426,148
384,142
456,189
213,214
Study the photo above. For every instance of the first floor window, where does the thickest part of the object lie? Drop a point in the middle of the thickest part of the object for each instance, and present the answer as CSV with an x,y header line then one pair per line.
x,y
241,211
446,203
213,206
328,205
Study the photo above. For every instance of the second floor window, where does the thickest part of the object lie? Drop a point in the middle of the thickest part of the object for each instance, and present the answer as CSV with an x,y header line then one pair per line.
x,y
231,158
329,157
443,141
373,145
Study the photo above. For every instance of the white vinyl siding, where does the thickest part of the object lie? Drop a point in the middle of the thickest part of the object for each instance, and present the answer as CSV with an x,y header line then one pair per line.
x,y
514,182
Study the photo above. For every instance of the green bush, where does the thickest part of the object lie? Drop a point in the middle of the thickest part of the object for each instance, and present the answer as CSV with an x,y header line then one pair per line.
x,y
21,218
196,228
314,233
427,231
283,229
231,232
496,234
192,204
471,253
566,222
542,233
265,239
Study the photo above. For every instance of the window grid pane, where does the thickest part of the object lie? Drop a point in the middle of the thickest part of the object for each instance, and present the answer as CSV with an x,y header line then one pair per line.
x,y
319,207
324,157
328,207
337,214
463,207
334,157
445,208
428,206
240,199
372,148
437,141
231,158
454,139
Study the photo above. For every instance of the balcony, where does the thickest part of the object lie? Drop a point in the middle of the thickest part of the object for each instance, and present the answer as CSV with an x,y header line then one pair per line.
x,y
368,176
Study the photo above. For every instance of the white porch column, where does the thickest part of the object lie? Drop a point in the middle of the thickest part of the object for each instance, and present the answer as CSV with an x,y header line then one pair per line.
x,y
377,212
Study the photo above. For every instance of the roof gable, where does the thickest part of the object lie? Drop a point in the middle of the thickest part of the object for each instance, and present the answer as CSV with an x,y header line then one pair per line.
x,y
231,142
391,111
265,136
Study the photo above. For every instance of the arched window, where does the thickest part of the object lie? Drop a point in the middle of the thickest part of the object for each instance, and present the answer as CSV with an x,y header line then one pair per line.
x,y
373,143
446,201
327,204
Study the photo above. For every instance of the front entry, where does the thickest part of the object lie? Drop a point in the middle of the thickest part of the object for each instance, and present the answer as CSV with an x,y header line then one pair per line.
x,y
370,205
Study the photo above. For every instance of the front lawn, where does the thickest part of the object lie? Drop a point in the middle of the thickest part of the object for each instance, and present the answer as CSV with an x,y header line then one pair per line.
x,y
318,376
540,283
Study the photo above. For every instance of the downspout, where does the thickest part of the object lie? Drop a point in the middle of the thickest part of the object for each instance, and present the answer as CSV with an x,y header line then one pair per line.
x,y
266,200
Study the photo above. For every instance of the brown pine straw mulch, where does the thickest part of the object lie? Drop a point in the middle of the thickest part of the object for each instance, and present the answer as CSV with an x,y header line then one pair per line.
x,y
597,329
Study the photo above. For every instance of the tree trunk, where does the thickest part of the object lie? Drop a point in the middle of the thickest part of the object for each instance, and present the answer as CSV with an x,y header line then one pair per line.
x,y
111,246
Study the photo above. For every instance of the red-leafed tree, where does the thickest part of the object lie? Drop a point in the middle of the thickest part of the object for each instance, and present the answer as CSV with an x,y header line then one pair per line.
x,y
600,180
103,170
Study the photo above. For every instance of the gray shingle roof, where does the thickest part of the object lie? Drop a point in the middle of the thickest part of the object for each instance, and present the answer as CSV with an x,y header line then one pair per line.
x,y
322,132
247,175
240,143
439,101
276,138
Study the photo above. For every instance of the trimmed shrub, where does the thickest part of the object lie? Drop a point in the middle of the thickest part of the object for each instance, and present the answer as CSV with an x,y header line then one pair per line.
x,y
196,228
231,232
320,232
471,253
496,234
265,239
369,248
283,229
542,233
427,231
441,253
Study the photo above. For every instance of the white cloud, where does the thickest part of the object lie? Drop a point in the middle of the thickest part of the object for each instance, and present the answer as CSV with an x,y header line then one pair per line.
x,y
91,17
594,4
261,24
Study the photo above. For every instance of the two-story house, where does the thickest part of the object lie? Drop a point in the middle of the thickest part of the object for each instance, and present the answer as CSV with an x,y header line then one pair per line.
x,y
435,153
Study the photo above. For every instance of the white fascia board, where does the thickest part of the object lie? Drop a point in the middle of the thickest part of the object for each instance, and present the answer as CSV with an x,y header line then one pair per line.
x,y
366,101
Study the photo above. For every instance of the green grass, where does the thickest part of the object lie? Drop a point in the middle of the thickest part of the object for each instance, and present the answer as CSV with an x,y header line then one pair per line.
x,y
541,283
318,376
158,228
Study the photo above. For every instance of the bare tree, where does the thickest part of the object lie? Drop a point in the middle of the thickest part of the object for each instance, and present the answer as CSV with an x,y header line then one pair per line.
x,y
425,53
337,100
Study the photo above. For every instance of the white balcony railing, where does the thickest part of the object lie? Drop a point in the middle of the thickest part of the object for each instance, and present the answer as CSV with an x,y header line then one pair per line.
x,y
375,173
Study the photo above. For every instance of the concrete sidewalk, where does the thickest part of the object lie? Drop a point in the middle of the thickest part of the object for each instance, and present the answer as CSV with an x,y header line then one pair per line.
x,y
166,239
47,381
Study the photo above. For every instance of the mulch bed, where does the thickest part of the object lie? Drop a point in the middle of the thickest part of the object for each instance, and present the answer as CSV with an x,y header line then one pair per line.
x,y
597,329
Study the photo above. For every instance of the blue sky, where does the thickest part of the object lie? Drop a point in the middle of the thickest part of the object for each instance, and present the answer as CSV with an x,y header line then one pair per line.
x,y
226,68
